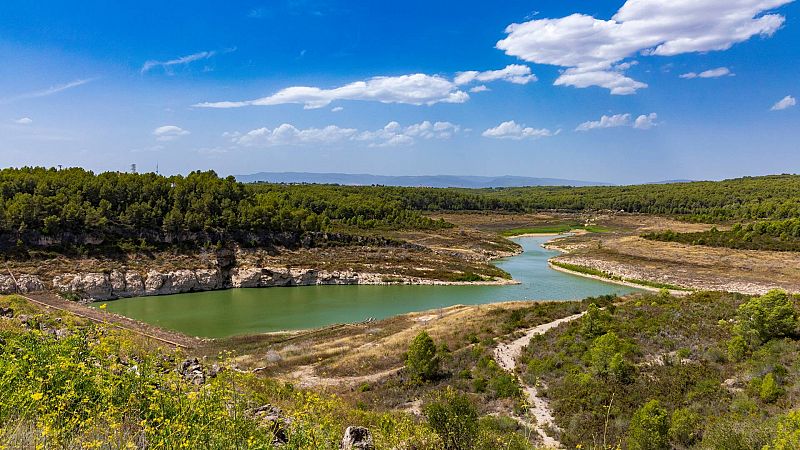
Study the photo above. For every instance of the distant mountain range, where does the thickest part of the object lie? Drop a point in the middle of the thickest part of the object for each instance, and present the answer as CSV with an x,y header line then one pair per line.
x,y
410,181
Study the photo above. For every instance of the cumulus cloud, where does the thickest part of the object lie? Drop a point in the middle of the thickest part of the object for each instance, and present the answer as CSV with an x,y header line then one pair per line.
x,y
514,73
617,120
391,135
589,48
24,121
479,88
784,103
515,131
712,73
169,133
414,89
643,122
183,60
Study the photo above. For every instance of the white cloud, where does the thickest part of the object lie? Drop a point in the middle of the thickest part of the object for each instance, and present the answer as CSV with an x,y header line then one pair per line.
x,y
169,133
183,60
414,89
712,73
50,91
614,81
393,134
513,130
589,47
513,73
643,122
337,109
479,88
24,121
287,134
784,103
617,120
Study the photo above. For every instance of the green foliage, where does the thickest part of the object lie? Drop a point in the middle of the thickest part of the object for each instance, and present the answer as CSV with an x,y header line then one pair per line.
x,y
606,357
684,427
737,348
649,428
779,235
123,208
594,322
422,362
454,418
769,390
505,385
769,316
787,436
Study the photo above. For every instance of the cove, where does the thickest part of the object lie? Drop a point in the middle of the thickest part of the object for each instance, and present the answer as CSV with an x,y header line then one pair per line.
x,y
224,313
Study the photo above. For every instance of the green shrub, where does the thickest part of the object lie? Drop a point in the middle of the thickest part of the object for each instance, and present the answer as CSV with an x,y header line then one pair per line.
x,y
769,316
649,428
737,348
684,427
769,390
454,418
593,323
422,362
787,436
504,385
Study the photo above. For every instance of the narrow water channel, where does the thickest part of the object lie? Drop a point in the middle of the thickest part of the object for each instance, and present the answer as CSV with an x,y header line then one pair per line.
x,y
244,311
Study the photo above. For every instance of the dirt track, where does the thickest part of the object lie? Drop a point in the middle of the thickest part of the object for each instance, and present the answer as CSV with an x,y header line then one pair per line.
x,y
171,338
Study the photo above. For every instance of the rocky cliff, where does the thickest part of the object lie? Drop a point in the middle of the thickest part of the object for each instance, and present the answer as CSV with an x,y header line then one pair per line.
x,y
119,284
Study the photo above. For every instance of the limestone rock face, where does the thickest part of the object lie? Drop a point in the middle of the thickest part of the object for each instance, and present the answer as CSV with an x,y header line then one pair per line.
x,y
92,284
25,284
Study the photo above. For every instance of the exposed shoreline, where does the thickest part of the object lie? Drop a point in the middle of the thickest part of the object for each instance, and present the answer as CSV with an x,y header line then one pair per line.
x,y
674,292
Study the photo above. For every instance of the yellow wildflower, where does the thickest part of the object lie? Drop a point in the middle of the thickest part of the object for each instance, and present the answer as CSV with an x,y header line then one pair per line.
x,y
36,396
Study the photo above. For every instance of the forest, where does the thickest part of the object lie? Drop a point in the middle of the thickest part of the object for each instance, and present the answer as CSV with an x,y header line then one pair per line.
x,y
112,205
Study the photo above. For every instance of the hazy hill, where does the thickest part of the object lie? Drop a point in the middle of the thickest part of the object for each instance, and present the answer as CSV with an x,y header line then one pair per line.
x,y
410,181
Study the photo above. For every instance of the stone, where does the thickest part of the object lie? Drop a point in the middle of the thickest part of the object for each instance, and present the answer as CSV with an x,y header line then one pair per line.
x,y
192,371
6,312
357,438
272,418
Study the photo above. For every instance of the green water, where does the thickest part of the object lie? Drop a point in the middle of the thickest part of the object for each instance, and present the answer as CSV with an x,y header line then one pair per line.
x,y
253,310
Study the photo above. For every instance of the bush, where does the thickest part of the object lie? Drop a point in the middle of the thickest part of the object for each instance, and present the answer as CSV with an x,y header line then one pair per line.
x,y
594,322
422,362
454,418
504,385
787,437
683,428
770,390
769,316
737,348
649,428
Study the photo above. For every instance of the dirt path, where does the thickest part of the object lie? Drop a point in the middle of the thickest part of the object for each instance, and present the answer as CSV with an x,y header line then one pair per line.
x,y
306,378
506,356
171,338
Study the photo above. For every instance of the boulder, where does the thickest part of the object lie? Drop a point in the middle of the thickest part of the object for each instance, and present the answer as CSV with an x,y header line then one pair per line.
x,y
357,438
192,371
272,418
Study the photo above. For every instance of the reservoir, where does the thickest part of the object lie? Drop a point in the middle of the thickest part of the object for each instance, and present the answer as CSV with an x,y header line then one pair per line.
x,y
256,310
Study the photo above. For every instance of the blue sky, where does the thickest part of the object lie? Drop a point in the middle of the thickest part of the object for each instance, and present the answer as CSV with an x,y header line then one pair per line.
x,y
690,89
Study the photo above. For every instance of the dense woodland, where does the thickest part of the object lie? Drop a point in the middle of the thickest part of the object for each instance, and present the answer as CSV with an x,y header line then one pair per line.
x,y
780,235
113,205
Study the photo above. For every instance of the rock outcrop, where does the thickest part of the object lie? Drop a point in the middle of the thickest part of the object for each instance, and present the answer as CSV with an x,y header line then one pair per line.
x,y
357,438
